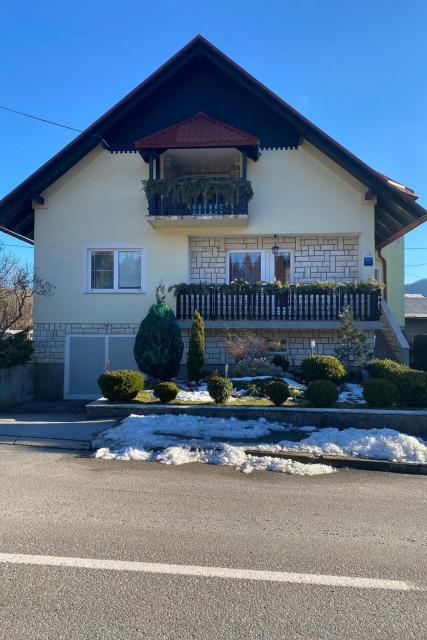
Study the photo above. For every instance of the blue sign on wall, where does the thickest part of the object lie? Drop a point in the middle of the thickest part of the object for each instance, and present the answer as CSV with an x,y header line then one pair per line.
x,y
368,261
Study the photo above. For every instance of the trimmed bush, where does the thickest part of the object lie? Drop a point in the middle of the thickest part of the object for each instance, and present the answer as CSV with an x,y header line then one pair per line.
x,y
15,350
379,392
158,344
277,392
322,368
413,387
166,391
385,369
322,393
281,361
196,349
419,353
121,385
220,389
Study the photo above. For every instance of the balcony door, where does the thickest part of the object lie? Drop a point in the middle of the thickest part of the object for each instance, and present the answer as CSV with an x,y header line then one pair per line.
x,y
259,266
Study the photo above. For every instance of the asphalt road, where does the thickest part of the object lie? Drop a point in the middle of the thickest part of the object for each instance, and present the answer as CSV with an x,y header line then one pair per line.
x,y
350,523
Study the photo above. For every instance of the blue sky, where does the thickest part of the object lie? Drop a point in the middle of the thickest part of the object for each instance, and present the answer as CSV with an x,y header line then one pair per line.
x,y
356,69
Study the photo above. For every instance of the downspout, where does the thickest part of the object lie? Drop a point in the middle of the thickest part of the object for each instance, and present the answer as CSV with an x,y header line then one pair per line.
x,y
384,262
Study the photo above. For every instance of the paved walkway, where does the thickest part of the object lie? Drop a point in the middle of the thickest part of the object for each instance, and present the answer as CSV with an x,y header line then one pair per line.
x,y
63,427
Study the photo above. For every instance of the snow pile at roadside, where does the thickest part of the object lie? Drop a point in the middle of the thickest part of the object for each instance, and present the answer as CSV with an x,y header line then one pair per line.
x,y
145,432
178,435
384,444
352,393
224,455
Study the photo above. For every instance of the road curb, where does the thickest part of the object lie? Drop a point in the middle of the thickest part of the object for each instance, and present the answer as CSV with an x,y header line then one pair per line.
x,y
366,464
53,443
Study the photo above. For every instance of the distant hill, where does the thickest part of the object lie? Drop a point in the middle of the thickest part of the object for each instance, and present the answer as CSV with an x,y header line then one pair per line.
x,y
420,286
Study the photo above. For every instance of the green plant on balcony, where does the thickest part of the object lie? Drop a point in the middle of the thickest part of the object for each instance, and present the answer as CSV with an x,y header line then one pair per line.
x,y
189,190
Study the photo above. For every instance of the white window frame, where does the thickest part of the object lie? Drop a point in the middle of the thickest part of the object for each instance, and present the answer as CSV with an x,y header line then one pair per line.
x,y
267,263
115,248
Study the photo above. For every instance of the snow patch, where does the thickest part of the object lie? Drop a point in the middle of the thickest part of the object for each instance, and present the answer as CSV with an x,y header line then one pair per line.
x,y
352,393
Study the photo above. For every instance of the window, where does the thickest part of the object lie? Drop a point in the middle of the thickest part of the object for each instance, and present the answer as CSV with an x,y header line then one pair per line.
x,y
115,270
259,266
245,265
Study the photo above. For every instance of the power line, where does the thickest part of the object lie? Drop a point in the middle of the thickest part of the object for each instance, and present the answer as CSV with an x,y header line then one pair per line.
x,y
28,115
56,124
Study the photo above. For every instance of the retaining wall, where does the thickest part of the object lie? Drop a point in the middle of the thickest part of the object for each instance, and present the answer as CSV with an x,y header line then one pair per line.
x,y
16,385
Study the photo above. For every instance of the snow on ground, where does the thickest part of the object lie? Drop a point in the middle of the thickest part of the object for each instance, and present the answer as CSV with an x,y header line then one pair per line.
x,y
201,394
352,393
384,444
136,436
178,435
289,381
225,455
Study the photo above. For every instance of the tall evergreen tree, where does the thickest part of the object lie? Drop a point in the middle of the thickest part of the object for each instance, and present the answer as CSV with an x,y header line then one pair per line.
x,y
352,349
158,343
196,349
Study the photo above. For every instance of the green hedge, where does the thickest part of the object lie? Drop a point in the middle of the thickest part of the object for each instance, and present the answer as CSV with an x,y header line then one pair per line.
x,y
166,391
411,383
121,385
322,368
379,392
15,350
322,393
419,353
277,392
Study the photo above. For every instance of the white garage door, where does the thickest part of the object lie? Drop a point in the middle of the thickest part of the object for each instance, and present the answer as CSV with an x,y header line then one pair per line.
x,y
86,357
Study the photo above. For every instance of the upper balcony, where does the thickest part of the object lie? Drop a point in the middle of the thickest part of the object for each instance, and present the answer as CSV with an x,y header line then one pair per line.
x,y
198,173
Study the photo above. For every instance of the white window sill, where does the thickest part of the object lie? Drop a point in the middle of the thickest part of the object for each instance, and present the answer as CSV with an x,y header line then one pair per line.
x,y
96,291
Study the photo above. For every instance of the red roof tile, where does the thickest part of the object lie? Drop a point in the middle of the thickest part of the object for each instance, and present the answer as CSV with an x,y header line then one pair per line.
x,y
198,131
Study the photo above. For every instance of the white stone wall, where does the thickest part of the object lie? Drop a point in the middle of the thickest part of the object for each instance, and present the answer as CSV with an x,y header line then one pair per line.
x,y
313,257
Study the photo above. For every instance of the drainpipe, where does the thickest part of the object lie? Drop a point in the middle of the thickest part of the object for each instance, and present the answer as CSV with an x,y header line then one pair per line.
x,y
384,261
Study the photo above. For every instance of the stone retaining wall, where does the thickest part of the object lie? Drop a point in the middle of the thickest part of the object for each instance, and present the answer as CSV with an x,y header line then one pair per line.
x,y
16,385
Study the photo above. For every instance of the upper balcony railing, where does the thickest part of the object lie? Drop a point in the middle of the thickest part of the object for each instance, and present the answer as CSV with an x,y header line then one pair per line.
x,y
293,304
206,196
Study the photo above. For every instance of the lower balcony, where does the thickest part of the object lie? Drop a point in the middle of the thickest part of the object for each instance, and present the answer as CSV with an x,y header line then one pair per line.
x,y
293,308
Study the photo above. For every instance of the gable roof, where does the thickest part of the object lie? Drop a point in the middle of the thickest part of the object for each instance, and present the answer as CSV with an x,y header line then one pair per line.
x,y
396,211
415,305
198,131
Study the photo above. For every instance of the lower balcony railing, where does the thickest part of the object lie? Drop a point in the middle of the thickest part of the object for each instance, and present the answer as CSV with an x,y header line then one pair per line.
x,y
289,305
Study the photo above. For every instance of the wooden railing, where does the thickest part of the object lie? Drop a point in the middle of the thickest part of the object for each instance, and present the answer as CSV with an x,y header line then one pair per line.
x,y
290,305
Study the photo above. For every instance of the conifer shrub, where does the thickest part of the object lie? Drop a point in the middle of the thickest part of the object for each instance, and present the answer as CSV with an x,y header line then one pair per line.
x,y
322,368
379,392
220,389
279,360
15,350
166,391
419,352
196,349
121,385
158,343
322,393
277,392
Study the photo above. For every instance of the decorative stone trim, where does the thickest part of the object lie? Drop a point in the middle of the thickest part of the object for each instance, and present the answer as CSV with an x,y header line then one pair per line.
x,y
314,257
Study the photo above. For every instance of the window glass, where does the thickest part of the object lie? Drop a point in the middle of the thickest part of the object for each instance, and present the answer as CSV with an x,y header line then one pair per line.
x,y
245,266
129,264
282,267
102,270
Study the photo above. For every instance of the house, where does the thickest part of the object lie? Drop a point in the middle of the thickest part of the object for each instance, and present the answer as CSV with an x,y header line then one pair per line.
x,y
205,136
415,316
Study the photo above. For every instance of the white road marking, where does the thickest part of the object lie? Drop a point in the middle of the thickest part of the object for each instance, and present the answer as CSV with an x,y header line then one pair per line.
x,y
208,572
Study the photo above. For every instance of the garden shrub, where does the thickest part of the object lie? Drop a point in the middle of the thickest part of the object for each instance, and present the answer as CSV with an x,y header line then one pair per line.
x,y
419,353
121,385
158,344
249,367
380,392
279,360
220,389
166,391
322,393
385,369
412,385
196,349
15,350
322,368
277,392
